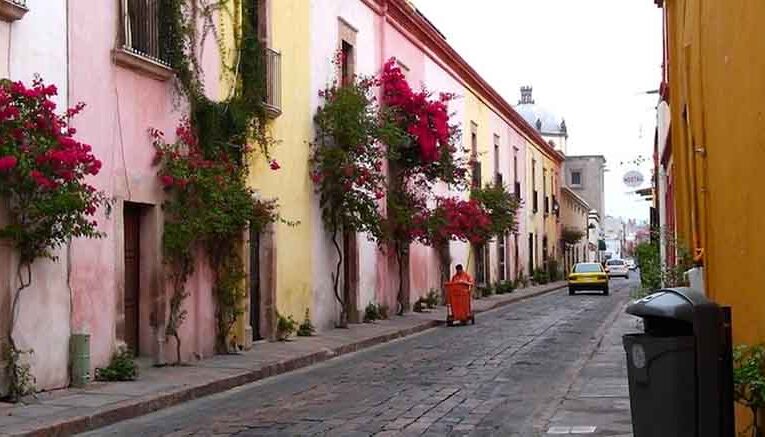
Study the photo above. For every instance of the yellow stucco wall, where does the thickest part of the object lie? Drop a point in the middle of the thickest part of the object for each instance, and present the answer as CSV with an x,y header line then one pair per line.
x,y
716,71
718,74
480,114
290,35
538,223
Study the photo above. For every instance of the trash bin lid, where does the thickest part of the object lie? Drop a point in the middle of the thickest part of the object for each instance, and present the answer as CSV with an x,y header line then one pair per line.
x,y
669,303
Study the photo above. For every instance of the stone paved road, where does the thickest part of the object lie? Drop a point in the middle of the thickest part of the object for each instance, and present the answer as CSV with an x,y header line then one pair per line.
x,y
495,378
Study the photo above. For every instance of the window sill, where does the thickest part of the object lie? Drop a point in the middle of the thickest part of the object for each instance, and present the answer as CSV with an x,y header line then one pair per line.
x,y
127,58
11,11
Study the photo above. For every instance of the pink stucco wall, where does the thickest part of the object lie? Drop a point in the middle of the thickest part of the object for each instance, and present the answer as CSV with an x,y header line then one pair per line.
x,y
122,105
42,325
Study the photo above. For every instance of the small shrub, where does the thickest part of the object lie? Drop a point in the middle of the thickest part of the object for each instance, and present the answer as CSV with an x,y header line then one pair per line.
x,y
483,291
306,329
382,312
432,299
749,382
285,327
121,368
504,287
370,313
419,306
541,276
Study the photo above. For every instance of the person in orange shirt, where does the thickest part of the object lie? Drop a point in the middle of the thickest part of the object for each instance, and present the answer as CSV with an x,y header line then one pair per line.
x,y
462,276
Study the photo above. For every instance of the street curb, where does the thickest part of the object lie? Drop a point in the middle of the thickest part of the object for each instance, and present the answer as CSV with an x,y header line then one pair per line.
x,y
140,407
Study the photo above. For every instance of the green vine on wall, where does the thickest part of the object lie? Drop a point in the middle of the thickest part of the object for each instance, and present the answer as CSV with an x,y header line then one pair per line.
x,y
209,204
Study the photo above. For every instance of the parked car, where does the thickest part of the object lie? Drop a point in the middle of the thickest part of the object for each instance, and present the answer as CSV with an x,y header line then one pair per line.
x,y
617,268
587,276
631,264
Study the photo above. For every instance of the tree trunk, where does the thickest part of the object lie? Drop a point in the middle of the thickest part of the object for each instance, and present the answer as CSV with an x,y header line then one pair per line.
x,y
400,297
343,323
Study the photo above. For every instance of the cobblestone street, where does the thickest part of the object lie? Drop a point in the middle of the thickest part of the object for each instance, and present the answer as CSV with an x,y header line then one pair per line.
x,y
499,377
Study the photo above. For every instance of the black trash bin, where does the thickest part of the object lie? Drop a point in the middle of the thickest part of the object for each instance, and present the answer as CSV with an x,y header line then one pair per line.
x,y
680,368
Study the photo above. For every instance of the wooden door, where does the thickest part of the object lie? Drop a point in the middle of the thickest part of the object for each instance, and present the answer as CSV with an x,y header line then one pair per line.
x,y
255,284
132,275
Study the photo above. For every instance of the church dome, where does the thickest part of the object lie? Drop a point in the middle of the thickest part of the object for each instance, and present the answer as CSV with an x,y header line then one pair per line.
x,y
544,120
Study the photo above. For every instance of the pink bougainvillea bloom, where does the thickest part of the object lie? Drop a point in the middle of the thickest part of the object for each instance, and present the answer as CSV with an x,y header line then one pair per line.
x,y
274,165
8,162
166,180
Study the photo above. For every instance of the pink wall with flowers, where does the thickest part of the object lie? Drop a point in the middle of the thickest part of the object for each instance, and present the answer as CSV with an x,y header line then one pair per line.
x,y
122,105
36,44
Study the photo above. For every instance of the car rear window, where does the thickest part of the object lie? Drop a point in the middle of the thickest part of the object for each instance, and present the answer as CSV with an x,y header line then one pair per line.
x,y
616,262
587,268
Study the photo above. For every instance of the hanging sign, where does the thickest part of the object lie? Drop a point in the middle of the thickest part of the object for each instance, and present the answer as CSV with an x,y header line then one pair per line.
x,y
633,179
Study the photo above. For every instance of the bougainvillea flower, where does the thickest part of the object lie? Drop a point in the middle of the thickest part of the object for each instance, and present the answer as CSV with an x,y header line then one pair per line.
x,y
8,162
274,165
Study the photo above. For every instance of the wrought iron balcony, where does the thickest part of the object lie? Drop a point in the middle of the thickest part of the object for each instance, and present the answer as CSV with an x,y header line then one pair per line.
x,y
273,97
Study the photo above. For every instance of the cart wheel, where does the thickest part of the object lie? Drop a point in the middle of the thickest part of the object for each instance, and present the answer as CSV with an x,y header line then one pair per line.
x,y
449,321
472,320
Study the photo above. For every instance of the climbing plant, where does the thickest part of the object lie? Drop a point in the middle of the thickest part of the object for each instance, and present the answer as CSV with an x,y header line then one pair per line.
x,y
346,166
43,172
209,205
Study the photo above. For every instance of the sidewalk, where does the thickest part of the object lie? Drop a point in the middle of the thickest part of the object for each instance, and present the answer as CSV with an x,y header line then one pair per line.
x,y
598,402
69,411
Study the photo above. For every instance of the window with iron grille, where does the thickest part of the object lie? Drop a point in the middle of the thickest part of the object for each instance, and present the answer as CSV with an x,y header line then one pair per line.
x,y
547,205
517,190
142,30
576,178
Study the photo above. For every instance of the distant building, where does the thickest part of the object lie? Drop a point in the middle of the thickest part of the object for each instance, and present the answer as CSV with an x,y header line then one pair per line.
x,y
550,125
574,218
585,176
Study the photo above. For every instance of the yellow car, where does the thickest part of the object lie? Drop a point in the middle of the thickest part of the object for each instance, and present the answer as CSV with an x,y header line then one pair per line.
x,y
588,276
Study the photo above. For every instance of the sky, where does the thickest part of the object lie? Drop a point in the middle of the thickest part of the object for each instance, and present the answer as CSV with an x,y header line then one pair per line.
x,y
589,61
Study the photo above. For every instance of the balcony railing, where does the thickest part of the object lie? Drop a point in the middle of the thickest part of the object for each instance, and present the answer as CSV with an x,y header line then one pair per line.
x,y
141,30
273,98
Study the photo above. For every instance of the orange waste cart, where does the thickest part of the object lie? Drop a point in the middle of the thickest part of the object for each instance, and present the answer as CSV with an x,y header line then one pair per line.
x,y
459,304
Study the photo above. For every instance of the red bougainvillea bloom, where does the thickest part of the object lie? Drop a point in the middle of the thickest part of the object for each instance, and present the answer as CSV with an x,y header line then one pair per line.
x,y
274,165
427,120
41,180
7,162
167,180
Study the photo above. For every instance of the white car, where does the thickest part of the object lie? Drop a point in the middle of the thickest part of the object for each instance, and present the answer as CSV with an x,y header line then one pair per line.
x,y
631,264
617,267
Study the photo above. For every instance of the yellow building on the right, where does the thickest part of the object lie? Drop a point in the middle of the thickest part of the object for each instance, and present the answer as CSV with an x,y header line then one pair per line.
x,y
710,150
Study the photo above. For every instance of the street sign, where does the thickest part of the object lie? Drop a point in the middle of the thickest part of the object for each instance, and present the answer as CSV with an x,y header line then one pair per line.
x,y
633,179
